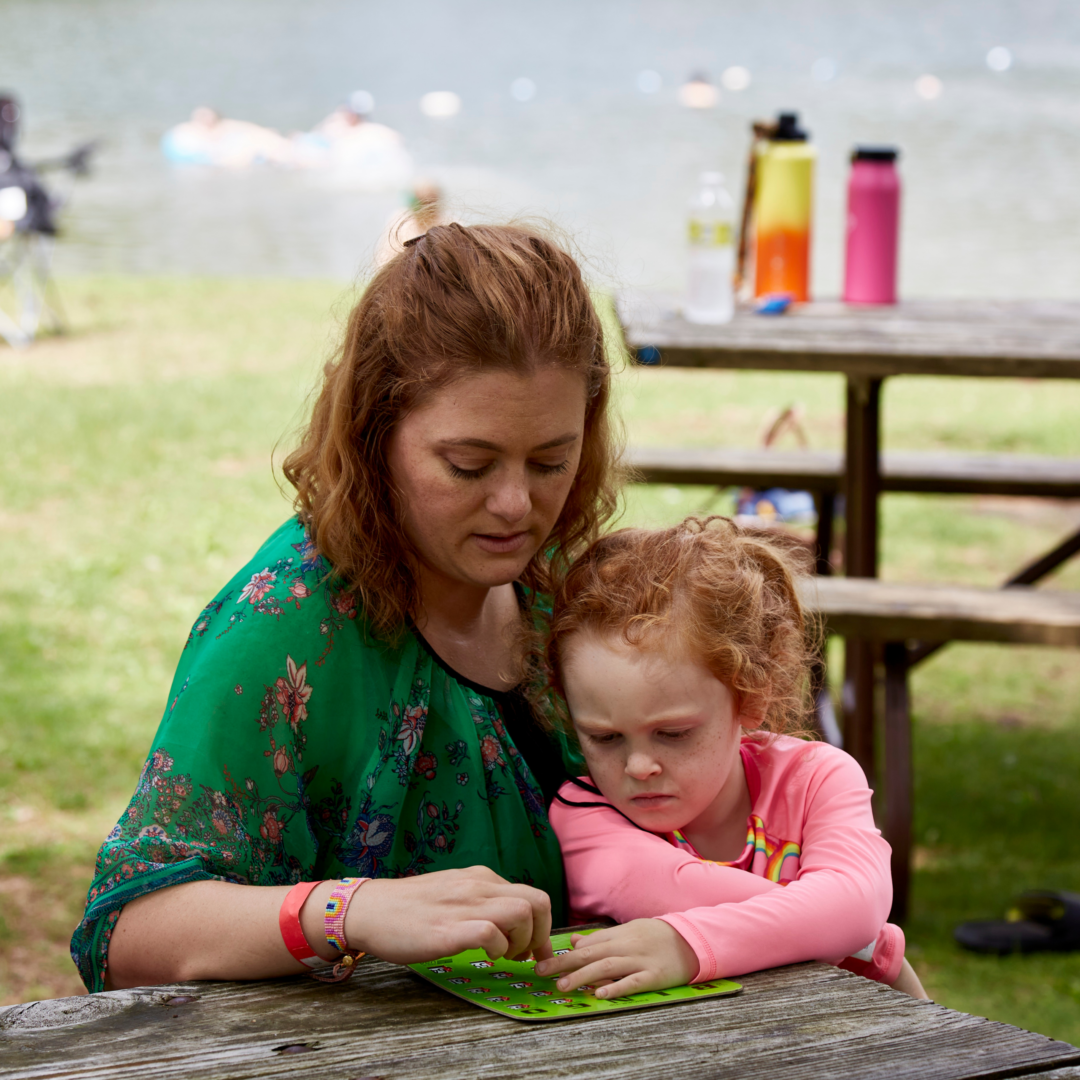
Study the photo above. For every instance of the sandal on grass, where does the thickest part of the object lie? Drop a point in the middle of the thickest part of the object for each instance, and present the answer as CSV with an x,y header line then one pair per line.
x,y
1037,921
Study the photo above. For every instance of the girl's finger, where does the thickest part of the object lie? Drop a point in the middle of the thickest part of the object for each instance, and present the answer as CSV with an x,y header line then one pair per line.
x,y
636,983
559,965
587,948
552,966
601,971
596,935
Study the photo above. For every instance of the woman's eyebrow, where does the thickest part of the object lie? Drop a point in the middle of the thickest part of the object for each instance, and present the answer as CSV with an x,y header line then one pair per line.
x,y
483,444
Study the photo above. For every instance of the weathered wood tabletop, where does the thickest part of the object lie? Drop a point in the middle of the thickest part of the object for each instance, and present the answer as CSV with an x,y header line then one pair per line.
x,y
1037,339
805,1021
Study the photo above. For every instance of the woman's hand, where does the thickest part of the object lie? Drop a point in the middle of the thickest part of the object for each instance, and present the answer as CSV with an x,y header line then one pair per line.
x,y
410,920
646,954
218,930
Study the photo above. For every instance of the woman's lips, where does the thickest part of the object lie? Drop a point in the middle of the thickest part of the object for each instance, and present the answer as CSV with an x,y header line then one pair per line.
x,y
495,544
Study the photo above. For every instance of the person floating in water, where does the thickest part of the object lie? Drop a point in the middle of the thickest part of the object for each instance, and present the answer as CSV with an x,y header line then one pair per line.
x,y
360,152
209,138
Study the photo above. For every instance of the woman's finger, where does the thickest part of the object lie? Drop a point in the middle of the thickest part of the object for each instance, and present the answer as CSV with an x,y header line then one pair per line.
x,y
477,934
524,915
514,916
540,945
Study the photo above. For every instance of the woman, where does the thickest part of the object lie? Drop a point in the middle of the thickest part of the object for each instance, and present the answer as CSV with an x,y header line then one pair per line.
x,y
348,705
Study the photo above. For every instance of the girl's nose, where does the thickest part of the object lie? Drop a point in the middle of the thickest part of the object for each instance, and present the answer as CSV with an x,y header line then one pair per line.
x,y
510,498
641,766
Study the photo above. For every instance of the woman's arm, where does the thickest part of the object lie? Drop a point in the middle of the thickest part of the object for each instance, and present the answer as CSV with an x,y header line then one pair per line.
x,y
217,930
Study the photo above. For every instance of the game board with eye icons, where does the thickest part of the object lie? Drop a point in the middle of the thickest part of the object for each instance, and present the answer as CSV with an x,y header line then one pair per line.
x,y
512,988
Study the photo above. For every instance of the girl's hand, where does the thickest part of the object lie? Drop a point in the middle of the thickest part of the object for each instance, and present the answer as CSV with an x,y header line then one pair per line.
x,y
410,920
646,954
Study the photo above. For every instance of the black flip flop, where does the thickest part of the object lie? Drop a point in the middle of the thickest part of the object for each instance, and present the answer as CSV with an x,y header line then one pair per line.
x,y
1038,921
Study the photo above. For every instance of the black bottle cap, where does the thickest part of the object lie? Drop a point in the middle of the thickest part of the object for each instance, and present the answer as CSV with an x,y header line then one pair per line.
x,y
788,130
875,153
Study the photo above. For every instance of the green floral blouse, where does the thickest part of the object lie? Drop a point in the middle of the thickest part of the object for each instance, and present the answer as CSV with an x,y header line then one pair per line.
x,y
294,747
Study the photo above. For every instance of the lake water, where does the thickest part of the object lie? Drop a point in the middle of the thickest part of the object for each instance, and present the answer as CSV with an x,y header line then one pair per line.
x,y
990,167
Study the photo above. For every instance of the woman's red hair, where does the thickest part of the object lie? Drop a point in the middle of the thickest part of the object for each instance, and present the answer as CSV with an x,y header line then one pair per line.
x,y
456,302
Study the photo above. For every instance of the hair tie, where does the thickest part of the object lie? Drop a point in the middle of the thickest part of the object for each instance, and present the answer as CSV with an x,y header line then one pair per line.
x,y
414,240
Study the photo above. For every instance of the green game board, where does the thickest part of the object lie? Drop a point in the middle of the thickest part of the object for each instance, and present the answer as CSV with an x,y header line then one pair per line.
x,y
512,988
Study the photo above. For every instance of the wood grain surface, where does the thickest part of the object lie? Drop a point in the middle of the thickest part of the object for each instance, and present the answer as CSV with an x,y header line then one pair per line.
x,y
803,1022
890,611
1030,339
823,470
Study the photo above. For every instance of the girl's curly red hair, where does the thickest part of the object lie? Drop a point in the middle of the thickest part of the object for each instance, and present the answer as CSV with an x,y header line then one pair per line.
x,y
727,595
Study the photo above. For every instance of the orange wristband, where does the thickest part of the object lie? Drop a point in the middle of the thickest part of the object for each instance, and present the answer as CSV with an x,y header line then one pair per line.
x,y
292,933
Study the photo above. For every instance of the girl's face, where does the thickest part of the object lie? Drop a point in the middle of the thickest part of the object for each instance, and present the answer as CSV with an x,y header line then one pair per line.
x,y
659,732
482,468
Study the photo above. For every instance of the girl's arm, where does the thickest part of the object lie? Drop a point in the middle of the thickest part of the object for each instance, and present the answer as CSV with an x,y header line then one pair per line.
x,y
217,930
616,870
735,921
836,907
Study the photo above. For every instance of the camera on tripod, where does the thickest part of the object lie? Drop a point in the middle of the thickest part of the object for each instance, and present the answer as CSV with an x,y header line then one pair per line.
x,y
28,215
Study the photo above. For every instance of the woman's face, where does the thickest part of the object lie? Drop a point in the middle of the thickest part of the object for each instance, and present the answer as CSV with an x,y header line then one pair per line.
x,y
483,467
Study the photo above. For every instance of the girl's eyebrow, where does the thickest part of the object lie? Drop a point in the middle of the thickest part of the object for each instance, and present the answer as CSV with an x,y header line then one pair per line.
x,y
483,444
592,729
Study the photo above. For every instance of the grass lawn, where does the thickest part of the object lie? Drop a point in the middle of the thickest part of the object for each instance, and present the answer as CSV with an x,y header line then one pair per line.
x,y
138,476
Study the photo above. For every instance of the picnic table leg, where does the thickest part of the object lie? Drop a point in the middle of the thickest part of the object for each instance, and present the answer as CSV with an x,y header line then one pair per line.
x,y
824,716
898,774
862,484
825,507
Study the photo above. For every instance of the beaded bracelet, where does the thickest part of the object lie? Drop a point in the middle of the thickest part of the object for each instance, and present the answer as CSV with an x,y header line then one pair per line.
x,y
292,933
334,924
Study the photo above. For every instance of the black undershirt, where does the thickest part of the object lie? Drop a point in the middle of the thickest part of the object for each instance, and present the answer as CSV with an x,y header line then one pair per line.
x,y
536,746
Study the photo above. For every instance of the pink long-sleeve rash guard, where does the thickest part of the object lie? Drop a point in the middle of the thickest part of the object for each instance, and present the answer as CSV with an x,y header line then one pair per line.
x,y
813,882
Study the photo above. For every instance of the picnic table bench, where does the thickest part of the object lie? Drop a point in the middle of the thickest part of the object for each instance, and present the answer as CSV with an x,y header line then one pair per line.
x,y
905,619
823,470
806,1022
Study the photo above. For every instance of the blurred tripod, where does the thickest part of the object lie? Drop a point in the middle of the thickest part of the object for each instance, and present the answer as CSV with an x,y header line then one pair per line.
x,y
29,299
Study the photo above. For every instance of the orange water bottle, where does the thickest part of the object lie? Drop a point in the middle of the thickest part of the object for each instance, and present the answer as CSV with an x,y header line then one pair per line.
x,y
783,210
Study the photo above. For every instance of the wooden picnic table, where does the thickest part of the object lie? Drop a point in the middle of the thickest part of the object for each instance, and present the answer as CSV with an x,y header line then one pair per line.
x,y
978,339
803,1022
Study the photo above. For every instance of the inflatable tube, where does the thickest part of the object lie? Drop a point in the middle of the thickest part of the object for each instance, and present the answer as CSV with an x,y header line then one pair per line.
x,y
183,148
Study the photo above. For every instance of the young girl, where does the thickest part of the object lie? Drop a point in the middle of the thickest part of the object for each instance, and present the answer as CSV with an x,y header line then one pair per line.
x,y
720,844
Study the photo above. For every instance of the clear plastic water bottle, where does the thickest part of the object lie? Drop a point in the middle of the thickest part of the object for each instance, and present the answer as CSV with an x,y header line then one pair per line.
x,y
710,294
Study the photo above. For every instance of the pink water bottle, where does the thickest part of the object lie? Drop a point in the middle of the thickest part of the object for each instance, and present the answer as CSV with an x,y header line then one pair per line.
x,y
873,227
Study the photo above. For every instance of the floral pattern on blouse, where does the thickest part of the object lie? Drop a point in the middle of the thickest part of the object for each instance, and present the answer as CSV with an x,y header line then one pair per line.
x,y
294,747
